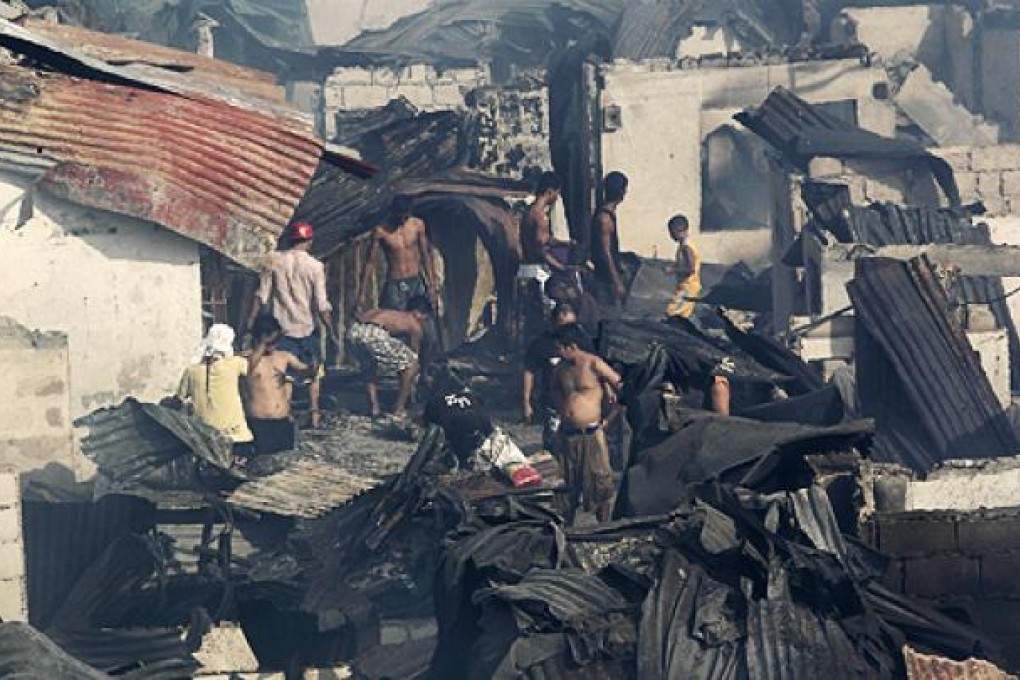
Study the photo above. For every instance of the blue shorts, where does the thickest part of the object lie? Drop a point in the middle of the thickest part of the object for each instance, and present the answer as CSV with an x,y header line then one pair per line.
x,y
305,349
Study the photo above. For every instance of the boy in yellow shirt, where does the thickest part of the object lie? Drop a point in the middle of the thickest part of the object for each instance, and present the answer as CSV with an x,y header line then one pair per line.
x,y
688,270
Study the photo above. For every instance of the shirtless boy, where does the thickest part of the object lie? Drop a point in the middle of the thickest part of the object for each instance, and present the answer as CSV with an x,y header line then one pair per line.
x,y
579,383
409,267
269,390
380,353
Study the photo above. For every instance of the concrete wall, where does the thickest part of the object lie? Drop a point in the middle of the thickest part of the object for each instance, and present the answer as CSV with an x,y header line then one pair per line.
x,y
666,169
35,420
126,293
988,174
13,584
355,87
334,22
966,560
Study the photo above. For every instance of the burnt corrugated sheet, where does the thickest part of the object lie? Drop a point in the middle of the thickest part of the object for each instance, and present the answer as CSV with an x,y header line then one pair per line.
x,y
152,653
802,131
27,654
306,489
342,207
903,308
63,539
134,439
654,28
475,31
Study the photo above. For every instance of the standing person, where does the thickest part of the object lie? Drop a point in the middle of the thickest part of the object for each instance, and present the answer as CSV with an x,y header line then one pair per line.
x,y
294,290
580,381
410,273
539,360
687,270
381,354
270,389
564,288
609,288
536,227
212,388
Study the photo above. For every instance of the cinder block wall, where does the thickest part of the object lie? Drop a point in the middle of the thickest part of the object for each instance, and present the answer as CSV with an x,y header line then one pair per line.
x,y
988,174
13,589
969,560
354,87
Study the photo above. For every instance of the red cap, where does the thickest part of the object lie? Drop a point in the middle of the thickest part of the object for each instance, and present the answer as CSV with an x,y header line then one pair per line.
x,y
301,231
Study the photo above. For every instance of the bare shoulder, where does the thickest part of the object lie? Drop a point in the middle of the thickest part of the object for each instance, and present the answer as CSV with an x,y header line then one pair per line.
x,y
417,224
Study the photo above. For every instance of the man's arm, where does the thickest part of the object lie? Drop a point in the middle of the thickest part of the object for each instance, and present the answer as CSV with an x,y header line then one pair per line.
x,y
606,374
527,389
606,228
366,274
322,304
301,368
425,250
543,236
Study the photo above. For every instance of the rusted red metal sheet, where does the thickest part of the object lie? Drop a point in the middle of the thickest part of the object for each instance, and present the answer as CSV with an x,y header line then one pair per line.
x,y
225,176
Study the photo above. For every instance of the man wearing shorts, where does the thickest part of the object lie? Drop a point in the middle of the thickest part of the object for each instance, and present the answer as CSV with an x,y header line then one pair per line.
x,y
294,291
374,340
580,382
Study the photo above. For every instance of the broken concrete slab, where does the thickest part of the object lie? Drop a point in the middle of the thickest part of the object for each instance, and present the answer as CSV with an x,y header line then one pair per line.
x,y
224,649
933,107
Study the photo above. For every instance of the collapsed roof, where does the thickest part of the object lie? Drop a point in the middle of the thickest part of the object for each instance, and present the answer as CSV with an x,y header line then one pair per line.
x,y
190,152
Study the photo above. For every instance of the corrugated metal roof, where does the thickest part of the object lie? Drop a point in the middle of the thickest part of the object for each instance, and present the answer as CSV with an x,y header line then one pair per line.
x,y
30,655
307,489
220,175
117,50
191,153
904,312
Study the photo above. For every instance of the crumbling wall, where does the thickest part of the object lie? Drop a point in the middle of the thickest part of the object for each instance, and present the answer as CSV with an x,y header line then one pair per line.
x,y
965,560
428,89
639,100
513,130
126,293
35,420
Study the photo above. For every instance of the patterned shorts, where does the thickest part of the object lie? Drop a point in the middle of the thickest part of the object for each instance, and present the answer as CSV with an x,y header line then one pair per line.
x,y
380,353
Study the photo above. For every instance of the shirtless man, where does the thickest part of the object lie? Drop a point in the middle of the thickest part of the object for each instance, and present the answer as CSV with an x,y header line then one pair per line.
x,y
409,267
580,382
605,242
380,353
536,227
269,389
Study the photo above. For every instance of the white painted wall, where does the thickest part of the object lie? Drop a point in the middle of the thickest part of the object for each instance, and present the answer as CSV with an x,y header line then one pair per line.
x,y
127,293
334,22
666,113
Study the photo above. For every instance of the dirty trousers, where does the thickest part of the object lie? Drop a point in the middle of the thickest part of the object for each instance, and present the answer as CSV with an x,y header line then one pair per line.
x,y
584,460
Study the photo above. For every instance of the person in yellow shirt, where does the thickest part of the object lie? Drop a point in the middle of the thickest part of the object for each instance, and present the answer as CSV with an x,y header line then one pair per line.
x,y
687,270
212,387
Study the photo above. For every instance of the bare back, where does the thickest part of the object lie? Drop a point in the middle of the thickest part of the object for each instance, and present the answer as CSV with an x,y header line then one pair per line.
x,y
578,388
536,233
403,324
402,247
269,391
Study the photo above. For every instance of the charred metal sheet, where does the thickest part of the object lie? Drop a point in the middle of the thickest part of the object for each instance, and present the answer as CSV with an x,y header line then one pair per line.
x,y
307,489
904,311
63,539
30,655
802,132
134,439
927,667
116,50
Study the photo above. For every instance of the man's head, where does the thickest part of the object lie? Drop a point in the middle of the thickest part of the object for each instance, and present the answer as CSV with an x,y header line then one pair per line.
x,y
440,380
562,286
301,235
563,314
570,341
615,187
549,187
679,228
401,209
266,329
420,306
